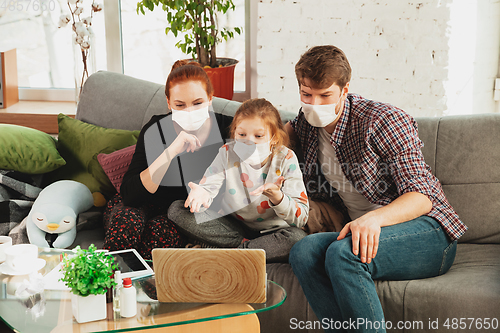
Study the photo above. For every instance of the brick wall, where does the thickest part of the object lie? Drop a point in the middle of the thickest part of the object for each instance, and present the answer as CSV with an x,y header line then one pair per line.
x,y
398,50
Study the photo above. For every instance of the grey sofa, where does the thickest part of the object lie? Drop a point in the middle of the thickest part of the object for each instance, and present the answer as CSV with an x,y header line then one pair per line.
x,y
463,152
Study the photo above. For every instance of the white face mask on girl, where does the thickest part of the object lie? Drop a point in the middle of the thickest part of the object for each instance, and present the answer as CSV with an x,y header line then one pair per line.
x,y
190,120
320,115
253,153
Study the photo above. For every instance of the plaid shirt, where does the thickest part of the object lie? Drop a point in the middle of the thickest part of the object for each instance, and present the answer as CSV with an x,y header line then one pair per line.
x,y
379,151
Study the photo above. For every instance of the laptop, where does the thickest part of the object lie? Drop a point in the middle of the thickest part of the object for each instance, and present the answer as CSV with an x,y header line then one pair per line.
x,y
210,275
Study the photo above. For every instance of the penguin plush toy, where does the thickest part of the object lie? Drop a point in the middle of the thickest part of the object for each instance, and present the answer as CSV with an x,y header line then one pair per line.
x,y
55,211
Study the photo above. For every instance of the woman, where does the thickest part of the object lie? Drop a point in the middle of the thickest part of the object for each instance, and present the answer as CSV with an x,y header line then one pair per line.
x,y
172,150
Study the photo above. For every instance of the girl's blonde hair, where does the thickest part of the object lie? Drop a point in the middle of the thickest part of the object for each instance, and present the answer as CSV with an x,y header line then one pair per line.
x,y
263,109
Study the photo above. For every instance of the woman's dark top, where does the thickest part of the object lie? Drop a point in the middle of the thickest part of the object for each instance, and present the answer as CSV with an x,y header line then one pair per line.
x,y
184,168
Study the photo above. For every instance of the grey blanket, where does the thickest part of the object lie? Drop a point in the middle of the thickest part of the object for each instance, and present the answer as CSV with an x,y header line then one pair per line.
x,y
18,191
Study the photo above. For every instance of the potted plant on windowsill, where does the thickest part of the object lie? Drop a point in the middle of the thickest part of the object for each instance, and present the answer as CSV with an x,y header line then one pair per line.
x,y
198,18
89,275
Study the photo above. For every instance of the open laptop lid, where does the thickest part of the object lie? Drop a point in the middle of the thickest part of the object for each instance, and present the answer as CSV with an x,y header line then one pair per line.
x,y
210,275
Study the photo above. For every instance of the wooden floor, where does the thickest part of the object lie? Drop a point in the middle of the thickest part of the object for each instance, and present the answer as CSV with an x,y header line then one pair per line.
x,y
39,115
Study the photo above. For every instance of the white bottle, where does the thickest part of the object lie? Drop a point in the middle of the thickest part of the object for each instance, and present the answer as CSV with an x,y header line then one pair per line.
x,y
116,295
128,299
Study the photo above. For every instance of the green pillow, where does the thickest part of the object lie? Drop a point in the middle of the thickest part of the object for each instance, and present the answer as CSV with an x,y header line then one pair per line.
x,y
79,143
28,150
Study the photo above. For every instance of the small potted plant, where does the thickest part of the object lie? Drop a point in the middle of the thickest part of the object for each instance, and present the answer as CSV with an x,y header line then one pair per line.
x,y
199,19
89,275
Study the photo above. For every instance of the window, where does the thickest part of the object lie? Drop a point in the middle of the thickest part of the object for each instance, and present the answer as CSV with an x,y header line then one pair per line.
x,y
126,42
149,53
45,53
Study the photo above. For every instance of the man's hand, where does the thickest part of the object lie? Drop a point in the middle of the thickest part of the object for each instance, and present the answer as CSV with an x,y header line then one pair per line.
x,y
365,232
197,197
271,190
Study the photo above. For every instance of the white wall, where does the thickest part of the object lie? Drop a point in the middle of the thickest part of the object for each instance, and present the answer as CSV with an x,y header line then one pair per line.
x,y
429,57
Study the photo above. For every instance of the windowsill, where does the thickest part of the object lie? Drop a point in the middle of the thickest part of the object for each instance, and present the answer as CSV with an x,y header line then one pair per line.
x,y
40,115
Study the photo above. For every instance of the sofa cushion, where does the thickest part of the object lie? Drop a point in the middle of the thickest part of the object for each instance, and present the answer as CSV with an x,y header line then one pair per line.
x,y
478,206
467,160
79,143
467,149
116,164
115,100
28,150
470,289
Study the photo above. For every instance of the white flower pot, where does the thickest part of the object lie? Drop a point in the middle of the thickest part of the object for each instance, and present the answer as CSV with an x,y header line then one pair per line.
x,y
89,308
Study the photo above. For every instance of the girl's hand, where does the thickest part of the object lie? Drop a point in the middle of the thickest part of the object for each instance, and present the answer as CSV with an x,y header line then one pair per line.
x,y
365,232
271,190
197,196
183,142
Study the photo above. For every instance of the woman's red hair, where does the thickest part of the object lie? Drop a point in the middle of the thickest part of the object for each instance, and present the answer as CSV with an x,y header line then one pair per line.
x,y
187,70
263,109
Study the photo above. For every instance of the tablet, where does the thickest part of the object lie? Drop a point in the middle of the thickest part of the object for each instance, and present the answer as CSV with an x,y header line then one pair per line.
x,y
131,264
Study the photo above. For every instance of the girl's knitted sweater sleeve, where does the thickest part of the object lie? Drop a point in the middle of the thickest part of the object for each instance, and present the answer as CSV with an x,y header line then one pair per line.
x,y
294,207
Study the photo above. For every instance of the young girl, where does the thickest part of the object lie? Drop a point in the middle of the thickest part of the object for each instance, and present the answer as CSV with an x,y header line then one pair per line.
x,y
264,204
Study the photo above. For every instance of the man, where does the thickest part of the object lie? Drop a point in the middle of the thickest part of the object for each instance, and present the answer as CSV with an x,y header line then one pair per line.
x,y
364,158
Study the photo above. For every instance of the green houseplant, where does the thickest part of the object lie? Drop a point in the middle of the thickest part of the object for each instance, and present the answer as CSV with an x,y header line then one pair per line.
x,y
89,275
198,18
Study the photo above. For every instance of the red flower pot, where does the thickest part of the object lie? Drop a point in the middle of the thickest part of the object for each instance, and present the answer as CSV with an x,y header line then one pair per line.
x,y
222,78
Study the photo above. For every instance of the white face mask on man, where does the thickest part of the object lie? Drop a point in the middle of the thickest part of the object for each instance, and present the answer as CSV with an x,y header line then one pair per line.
x,y
191,120
320,115
252,153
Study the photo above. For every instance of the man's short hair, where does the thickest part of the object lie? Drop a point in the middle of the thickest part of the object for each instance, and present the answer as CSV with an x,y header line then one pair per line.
x,y
323,65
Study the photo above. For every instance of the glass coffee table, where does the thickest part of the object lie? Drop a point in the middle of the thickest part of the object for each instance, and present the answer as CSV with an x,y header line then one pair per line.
x,y
54,314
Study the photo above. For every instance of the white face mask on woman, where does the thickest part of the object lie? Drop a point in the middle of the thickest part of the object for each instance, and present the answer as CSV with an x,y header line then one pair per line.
x,y
320,115
253,153
190,120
